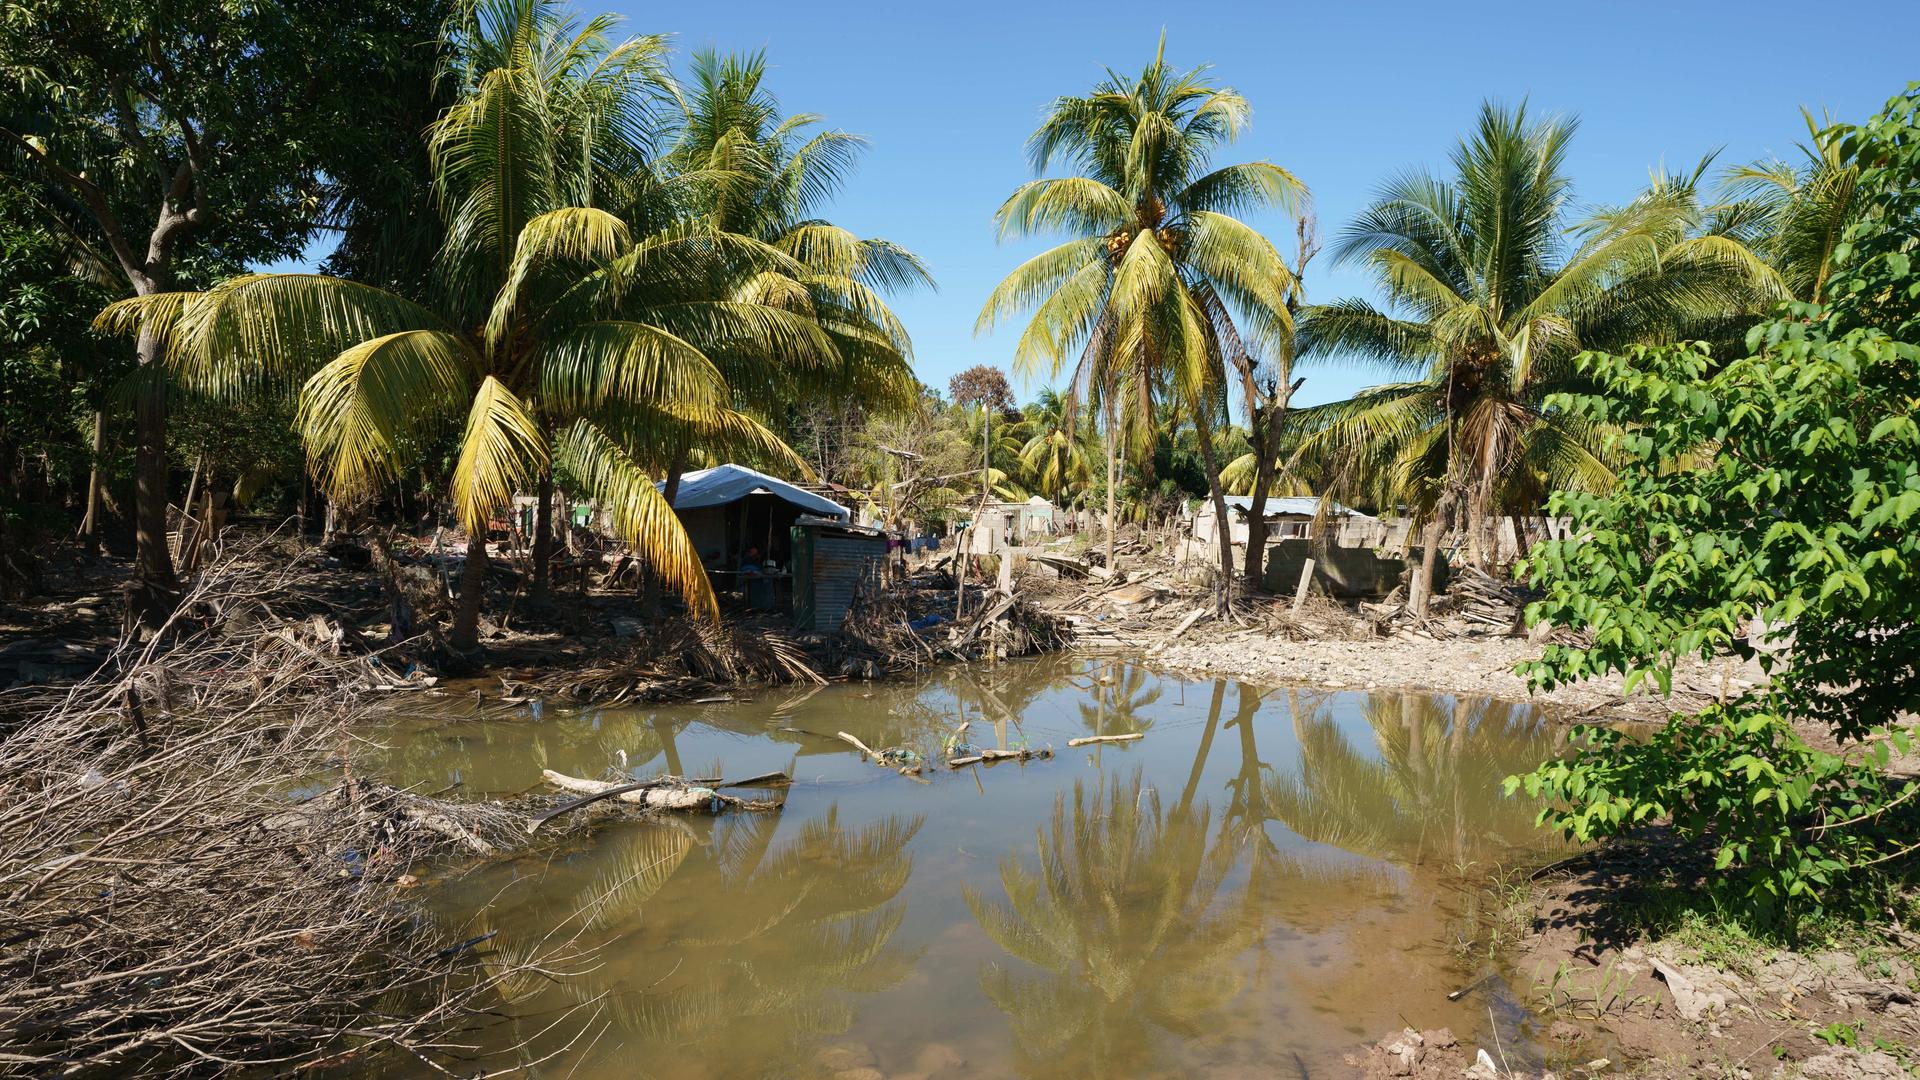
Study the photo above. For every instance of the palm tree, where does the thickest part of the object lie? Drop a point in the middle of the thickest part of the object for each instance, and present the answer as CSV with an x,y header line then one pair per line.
x,y
1057,456
758,174
1147,289
1489,305
996,444
1791,215
558,334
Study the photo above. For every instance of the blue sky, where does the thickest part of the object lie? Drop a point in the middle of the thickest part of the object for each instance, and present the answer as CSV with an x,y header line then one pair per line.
x,y
1344,94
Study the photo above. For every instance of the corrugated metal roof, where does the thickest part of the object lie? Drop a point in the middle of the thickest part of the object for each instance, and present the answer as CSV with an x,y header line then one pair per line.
x,y
724,484
1306,505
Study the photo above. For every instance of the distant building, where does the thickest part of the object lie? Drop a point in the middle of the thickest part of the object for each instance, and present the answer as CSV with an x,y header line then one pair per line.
x,y
1003,524
1286,516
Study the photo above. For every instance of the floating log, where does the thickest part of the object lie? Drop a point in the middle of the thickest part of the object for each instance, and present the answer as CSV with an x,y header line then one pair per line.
x,y
990,756
659,793
862,747
899,758
764,780
1091,739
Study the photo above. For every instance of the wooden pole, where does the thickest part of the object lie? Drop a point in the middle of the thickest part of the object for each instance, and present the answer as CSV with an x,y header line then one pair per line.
x,y
1306,580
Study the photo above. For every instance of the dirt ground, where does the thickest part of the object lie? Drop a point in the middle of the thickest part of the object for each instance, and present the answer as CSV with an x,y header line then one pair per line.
x,y
1472,662
1696,1005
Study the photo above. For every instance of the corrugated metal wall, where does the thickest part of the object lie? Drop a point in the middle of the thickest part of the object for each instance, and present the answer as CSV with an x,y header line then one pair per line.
x,y
840,564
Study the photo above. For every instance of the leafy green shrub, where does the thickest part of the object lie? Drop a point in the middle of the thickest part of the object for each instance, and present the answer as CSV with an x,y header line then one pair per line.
x,y
1769,503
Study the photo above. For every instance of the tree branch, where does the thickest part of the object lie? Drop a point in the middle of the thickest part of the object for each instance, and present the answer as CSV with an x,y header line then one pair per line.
x,y
91,197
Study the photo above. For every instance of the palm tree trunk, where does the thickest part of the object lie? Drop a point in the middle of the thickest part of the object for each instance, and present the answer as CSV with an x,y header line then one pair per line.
x,y
1206,745
1113,482
543,537
1266,449
156,590
473,589
1223,587
1420,595
90,524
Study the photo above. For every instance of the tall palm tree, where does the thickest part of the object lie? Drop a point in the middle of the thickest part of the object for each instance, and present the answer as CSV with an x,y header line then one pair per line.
x,y
1160,283
756,173
1793,215
996,444
1489,304
557,332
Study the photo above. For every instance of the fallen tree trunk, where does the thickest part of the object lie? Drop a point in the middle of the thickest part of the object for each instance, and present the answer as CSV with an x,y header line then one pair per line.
x,y
661,793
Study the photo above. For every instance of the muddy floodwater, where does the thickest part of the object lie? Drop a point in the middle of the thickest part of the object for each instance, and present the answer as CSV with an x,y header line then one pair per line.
x,y
1265,881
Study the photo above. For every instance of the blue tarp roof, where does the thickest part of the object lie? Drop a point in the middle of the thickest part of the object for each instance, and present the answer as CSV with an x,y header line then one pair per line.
x,y
724,484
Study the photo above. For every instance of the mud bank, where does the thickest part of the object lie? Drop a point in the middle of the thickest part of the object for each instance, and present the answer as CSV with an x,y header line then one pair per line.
x,y
1470,664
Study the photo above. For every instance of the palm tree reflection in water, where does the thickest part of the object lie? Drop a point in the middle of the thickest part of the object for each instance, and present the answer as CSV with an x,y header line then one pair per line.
x,y
1125,921
723,951
1138,925
1432,789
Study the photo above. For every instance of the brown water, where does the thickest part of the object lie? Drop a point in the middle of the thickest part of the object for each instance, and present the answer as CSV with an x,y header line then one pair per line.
x,y
1268,879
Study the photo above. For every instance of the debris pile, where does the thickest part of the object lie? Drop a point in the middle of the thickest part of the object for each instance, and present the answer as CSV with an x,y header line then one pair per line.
x,y
169,901
1479,598
932,618
675,658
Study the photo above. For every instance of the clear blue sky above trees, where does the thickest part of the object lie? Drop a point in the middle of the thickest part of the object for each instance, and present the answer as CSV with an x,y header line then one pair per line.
x,y
1344,94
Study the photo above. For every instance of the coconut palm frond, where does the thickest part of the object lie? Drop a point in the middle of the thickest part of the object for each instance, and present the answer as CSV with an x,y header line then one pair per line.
x,y
354,410
501,450
641,515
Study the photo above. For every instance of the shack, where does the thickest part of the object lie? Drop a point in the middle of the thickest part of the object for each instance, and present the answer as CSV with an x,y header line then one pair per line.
x,y
740,520
832,562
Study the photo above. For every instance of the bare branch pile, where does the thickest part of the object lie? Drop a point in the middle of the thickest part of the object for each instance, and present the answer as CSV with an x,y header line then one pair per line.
x,y
187,884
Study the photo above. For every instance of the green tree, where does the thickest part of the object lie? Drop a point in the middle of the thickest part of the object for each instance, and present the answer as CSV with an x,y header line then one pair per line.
x,y
183,127
556,332
1488,307
1768,503
751,171
54,379
1796,215
1158,263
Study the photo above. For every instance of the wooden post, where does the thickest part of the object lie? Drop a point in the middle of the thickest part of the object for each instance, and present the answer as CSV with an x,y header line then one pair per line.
x,y
1006,571
1306,580
961,556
